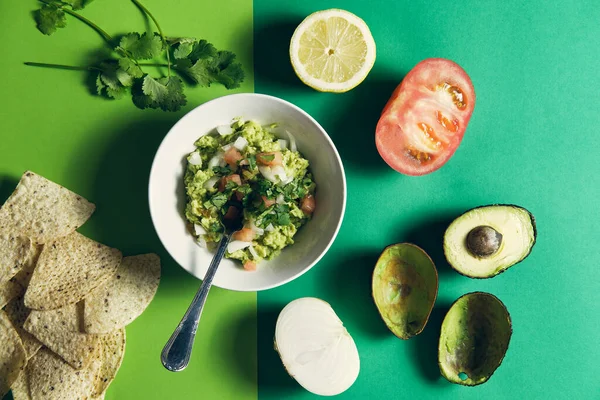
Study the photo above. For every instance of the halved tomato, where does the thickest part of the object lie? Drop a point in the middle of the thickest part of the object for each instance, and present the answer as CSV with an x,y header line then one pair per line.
x,y
425,119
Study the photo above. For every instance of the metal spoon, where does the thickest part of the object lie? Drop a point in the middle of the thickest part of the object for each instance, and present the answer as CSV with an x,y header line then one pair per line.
x,y
176,353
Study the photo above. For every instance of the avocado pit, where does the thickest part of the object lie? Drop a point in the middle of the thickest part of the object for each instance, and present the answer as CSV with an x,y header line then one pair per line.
x,y
483,241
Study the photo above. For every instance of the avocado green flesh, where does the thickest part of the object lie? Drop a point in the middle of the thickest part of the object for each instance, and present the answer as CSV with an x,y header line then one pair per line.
x,y
405,284
474,338
515,224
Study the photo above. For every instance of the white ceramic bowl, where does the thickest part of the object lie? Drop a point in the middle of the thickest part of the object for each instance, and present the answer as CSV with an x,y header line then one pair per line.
x,y
167,195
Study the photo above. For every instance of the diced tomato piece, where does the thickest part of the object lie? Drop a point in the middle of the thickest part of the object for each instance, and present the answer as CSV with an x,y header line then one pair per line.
x,y
270,159
232,213
244,234
268,202
230,178
250,265
308,204
232,157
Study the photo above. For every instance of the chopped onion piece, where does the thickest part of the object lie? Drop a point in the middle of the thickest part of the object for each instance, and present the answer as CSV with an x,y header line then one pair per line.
x,y
227,147
258,231
240,143
253,252
292,141
244,162
270,228
224,130
200,241
283,143
236,245
280,199
217,161
199,229
211,182
195,158
267,173
315,348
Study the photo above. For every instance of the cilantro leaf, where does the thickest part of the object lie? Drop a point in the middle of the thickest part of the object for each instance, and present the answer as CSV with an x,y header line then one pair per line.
x,y
129,66
142,47
202,50
230,185
77,4
49,18
164,93
100,86
219,200
251,161
109,81
123,77
198,72
222,170
283,219
183,50
231,76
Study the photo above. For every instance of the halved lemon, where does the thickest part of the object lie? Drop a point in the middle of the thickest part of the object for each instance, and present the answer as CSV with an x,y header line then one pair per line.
x,y
332,50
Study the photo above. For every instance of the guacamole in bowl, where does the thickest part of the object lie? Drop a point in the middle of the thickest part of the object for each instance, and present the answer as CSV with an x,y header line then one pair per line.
x,y
247,163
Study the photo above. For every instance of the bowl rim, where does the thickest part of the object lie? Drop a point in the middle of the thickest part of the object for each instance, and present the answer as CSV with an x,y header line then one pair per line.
x,y
336,157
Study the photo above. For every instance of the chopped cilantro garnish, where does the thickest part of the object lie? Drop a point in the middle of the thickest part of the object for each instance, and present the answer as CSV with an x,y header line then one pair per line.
x,y
219,200
222,170
252,161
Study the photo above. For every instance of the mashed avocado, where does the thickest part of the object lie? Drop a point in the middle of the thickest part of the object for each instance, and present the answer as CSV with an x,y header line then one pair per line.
x,y
248,165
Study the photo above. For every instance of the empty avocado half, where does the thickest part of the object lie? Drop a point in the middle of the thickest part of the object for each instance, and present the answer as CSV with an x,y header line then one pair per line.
x,y
488,240
405,285
474,338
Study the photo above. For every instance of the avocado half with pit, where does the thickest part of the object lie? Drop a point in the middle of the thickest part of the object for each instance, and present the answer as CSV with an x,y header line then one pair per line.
x,y
488,240
474,338
405,286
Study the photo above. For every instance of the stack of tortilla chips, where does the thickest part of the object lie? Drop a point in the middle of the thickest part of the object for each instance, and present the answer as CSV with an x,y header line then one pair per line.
x,y
65,299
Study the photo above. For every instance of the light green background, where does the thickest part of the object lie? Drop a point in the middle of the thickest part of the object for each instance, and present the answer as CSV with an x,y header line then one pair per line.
x,y
533,140
102,149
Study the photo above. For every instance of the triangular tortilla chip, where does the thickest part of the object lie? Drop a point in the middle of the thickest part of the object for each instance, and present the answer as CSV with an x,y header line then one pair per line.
x,y
51,378
9,291
43,210
15,252
15,287
59,330
124,296
20,387
12,354
18,313
68,269
113,351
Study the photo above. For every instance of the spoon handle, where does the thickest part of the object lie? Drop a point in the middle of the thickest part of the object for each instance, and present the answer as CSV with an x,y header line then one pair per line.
x,y
176,353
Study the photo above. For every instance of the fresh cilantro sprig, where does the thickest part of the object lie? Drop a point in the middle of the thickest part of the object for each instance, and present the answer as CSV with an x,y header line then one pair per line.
x,y
197,61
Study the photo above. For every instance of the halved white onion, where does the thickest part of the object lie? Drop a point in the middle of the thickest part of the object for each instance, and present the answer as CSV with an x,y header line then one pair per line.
x,y
224,130
292,141
195,158
199,229
315,348
282,143
211,182
217,161
240,143
236,245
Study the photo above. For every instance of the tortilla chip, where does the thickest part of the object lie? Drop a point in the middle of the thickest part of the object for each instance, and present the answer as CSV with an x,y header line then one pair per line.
x,y
20,387
51,378
124,296
24,275
9,291
15,251
59,330
68,269
18,313
43,210
12,354
113,349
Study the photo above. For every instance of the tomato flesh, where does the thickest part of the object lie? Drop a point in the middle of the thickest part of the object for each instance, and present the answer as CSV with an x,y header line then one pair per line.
x,y
424,121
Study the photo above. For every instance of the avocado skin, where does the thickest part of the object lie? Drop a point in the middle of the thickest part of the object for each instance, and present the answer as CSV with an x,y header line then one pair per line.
x,y
533,223
426,319
478,293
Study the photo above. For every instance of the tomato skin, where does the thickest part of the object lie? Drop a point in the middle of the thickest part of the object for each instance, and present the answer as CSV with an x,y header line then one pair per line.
x,y
413,136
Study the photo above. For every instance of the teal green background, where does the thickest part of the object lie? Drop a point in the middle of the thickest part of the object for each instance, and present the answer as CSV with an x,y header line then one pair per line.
x,y
532,141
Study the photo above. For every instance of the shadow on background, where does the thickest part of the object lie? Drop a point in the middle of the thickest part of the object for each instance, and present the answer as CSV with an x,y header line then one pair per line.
x,y
349,285
272,375
277,70
353,129
7,186
424,346
429,235
242,332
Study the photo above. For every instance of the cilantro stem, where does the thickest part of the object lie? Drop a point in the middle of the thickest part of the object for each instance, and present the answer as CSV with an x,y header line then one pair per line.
x,y
61,66
83,19
154,65
160,32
